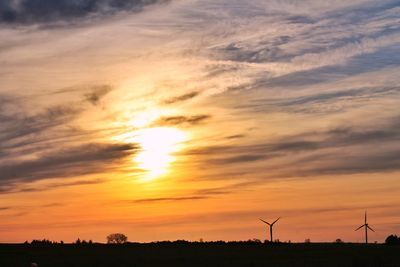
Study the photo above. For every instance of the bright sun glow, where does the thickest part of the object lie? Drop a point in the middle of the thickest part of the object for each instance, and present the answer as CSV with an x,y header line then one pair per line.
x,y
158,145
145,118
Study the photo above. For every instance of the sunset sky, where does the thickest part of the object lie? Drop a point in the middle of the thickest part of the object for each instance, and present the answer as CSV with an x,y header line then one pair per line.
x,y
189,119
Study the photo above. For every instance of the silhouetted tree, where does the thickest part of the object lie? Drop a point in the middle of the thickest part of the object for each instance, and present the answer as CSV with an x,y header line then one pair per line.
x,y
392,240
339,241
41,242
307,241
78,241
116,238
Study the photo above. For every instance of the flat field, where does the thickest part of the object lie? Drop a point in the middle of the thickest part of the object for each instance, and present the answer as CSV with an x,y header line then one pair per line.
x,y
200,254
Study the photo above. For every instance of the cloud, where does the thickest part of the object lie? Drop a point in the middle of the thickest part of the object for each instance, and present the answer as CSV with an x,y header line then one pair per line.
x,y
43,11
240,159
311,43
181,98
200,194
165,199
340,150
264,50
97,93
182,120
16,125
42,142
236,136
65,162
375,162
19,189
323,103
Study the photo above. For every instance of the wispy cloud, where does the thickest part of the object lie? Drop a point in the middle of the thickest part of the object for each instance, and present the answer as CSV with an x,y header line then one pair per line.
x,y
317,153
65,162
324,102
27,189
181,98
97,93
165,199
236,136
182,120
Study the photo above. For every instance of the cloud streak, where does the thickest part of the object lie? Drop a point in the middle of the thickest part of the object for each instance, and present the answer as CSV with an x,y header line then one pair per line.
x,y
181,98
28,189
167,199
182,120
65,162
336,151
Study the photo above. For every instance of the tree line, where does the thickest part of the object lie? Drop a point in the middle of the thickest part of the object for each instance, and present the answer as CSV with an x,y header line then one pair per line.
x,y
119,238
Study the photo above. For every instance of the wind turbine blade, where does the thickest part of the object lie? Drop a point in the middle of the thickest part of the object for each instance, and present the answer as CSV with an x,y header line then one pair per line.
x,y
275,221
360,227
265,222
370,228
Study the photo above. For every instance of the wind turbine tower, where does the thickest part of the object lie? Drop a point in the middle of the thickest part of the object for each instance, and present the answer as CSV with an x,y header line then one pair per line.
x,y
271,225
366,227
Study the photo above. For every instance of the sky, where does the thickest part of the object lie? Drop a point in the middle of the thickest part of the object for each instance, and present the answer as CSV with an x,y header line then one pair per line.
x,y
189,119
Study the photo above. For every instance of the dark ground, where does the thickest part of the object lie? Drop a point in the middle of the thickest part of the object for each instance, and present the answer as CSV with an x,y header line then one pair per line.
x,y
201,254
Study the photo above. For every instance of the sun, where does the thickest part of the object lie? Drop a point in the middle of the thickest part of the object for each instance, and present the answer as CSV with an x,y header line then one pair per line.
x,y
157,148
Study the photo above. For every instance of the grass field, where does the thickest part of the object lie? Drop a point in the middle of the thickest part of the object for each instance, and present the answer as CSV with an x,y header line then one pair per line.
x,y
201,254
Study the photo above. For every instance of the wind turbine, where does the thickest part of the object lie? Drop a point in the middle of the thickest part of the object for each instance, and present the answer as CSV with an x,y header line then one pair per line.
x,y
270,227
366,226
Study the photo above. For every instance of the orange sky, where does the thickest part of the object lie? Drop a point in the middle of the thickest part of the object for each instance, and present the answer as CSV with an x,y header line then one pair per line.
x,y
193,119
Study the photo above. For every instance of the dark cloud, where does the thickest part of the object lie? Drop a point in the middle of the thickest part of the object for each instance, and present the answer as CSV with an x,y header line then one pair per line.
x,y
97,93
264,51
12,189
359,13
240,159
321,102
65,162
16,125
43,11
26,131
258,151
345,94
182,120
341,150
41,144
181,98
236,136
328,164
364,63
300,20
